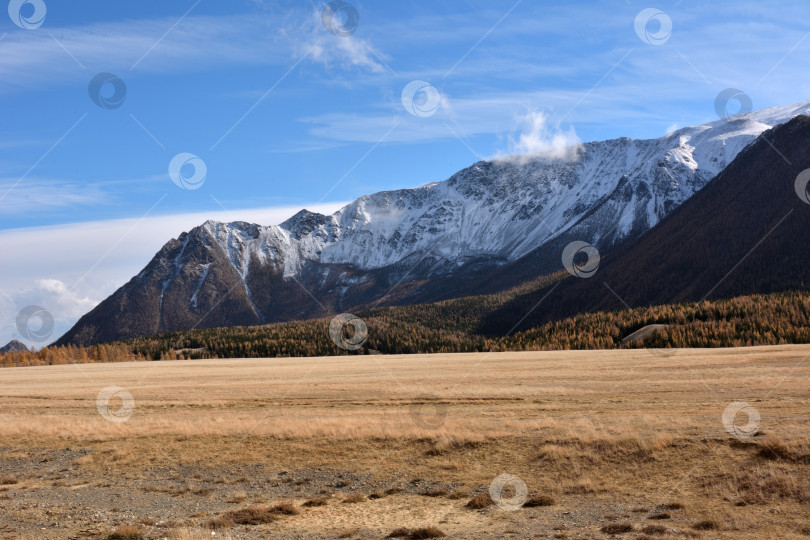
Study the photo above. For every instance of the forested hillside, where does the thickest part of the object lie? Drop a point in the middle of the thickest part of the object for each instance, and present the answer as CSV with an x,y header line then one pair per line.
x,y
451,326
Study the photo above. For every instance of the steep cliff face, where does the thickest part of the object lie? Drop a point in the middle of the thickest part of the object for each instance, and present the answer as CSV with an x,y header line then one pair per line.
x,y
422,243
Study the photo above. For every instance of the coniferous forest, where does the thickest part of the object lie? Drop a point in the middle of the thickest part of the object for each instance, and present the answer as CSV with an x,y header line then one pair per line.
x,y
455,326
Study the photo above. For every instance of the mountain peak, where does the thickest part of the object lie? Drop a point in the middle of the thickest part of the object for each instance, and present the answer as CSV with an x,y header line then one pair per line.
x,y
13,346
304,222
486,216
742,234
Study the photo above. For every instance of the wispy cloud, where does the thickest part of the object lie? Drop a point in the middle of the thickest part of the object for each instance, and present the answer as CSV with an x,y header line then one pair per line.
x,y
37,195
36,59
43,194
491,113
330,50
658,85
14,144
539,139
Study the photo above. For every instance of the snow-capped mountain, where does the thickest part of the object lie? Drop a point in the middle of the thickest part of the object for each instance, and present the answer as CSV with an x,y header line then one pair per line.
x,y
506,209
745,233
389,247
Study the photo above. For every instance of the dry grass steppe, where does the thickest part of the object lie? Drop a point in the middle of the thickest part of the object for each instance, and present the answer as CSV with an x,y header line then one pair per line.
x,y
595,444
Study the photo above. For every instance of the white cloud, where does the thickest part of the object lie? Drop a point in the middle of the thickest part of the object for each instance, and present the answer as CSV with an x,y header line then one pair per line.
x,y
39,59
42,195
64,305
483,114
67,269
71,303
509,73
329,50
539,139
43,59
357,52
38,194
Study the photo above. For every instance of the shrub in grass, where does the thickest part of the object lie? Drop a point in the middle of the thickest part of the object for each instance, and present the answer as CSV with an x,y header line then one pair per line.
x,y
256,515
617,528
417,534
237,497
539,500
286,508
482,500
706,525
426,532
125,533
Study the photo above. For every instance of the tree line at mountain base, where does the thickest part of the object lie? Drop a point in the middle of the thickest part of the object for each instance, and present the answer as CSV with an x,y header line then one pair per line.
x,y
454,326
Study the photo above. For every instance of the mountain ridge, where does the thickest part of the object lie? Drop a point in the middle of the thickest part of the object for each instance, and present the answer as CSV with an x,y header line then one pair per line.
x,y
742,234
424,243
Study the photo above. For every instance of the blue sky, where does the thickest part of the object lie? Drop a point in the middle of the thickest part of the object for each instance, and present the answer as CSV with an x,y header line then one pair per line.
x,y
285,114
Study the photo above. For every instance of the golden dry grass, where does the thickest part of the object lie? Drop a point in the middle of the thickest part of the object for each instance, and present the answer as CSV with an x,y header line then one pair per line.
x,y
597,433
582,395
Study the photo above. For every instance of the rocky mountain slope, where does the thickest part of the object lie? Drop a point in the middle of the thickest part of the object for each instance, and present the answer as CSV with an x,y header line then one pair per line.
x,y
744,233
435,241
13,346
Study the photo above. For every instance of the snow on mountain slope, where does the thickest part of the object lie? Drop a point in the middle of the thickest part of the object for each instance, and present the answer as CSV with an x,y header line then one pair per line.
x,y
504,209
432,242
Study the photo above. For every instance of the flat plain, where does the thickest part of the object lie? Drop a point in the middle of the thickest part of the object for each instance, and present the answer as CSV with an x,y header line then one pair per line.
x,y
608,444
